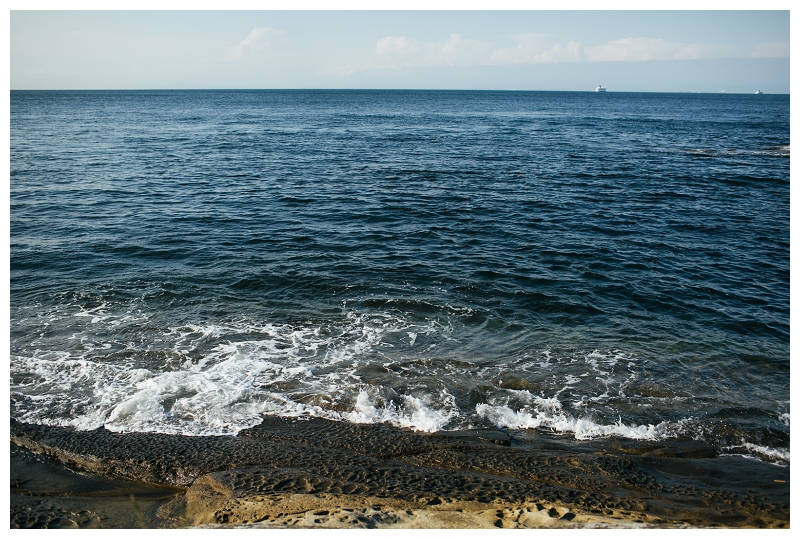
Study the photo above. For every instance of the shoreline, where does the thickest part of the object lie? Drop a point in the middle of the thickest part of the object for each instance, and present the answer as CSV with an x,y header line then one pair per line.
x,y
321,474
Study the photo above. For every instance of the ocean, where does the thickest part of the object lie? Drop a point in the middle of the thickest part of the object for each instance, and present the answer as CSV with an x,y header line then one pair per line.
x,y
586,265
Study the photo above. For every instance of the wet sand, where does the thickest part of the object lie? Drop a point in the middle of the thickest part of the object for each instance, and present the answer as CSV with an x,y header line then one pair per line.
x,y
321,474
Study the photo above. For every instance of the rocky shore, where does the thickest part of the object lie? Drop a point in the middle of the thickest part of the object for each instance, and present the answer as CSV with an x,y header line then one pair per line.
x,y
320,474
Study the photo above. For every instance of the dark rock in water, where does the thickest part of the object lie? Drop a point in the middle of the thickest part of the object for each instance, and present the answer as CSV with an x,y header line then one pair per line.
x,y
229,478
47,495
493,436
676,448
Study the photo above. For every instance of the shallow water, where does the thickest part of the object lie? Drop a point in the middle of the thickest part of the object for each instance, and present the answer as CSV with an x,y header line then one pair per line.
x,y
611,265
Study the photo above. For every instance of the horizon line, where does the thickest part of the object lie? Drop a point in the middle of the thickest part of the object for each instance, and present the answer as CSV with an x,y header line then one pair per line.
x,y
377,90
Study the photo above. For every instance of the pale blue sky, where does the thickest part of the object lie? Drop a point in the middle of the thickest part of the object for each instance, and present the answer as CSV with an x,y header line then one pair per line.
x,y
684,51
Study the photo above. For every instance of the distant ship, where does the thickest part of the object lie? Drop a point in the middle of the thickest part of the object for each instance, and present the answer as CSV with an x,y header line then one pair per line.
x,y
759,92
600,89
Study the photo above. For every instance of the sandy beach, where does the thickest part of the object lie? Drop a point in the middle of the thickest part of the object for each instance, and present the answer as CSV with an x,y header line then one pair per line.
x,y
321,474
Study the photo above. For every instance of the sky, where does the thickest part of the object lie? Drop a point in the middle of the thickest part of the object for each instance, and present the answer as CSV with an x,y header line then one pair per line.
x,y
658,51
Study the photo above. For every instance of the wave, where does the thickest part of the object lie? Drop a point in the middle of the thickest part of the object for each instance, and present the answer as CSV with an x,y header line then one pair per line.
x,y
423,366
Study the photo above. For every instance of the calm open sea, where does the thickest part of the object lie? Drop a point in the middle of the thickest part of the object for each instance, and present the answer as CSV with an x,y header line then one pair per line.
x,y
589,264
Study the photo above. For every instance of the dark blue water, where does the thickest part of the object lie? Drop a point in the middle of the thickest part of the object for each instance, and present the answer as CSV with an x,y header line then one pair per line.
x,y
590,264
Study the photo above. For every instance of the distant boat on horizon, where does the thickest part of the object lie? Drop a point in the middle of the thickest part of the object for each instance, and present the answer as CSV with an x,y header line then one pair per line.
x,y
759,92
600,88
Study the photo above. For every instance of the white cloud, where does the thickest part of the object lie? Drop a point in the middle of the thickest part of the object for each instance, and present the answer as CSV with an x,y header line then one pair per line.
x,y
394,52
558,53
258,39
778,49
398,49
639,49
535,49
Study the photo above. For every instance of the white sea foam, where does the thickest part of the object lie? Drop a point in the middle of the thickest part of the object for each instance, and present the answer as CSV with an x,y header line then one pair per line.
x,y
213,382
581,428
770,454
214,400
418,413
222,377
